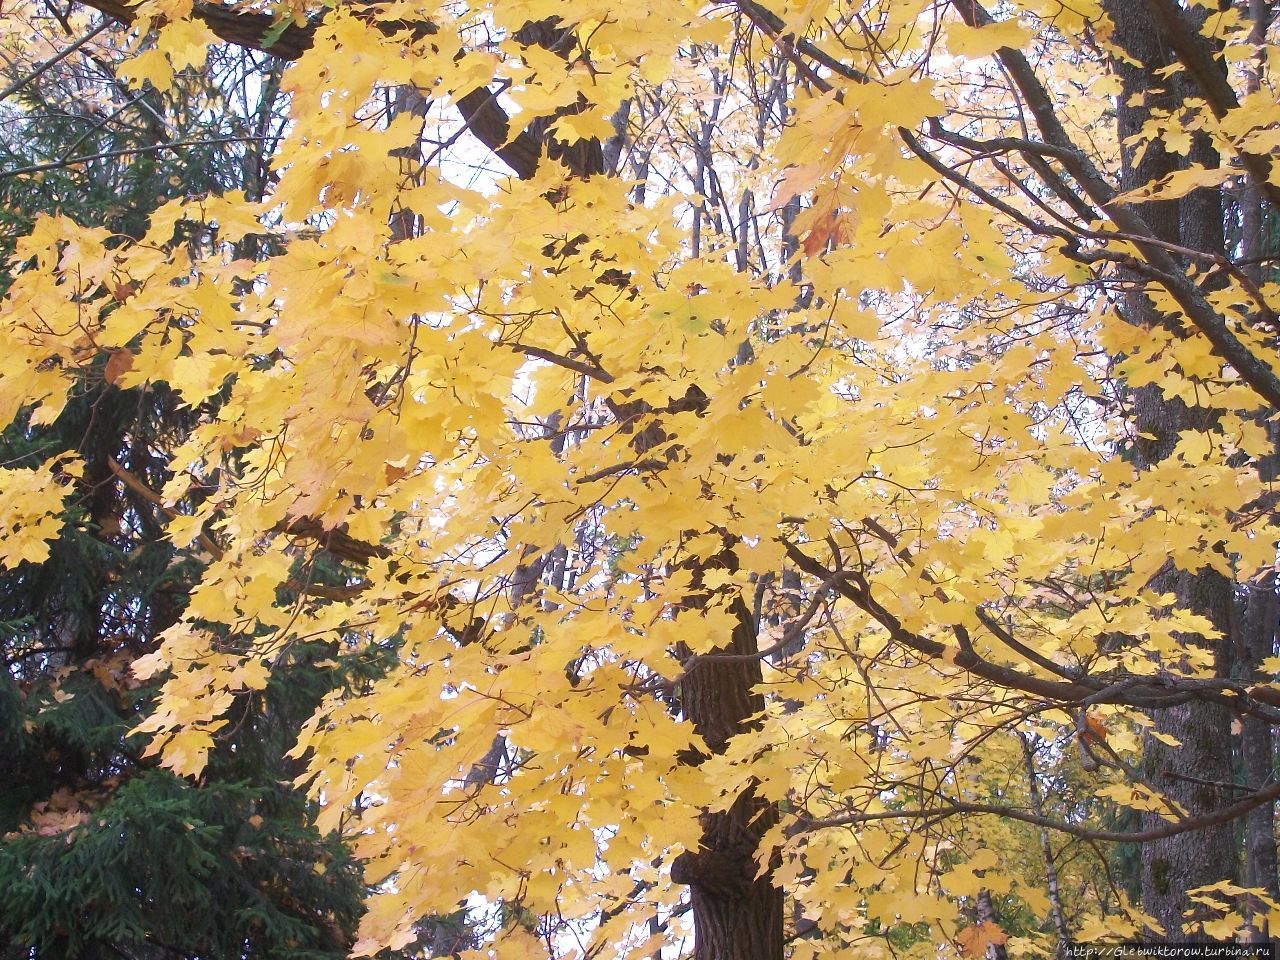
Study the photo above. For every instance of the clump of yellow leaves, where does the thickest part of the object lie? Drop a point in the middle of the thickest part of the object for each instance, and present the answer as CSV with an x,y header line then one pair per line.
x,y
31,509
552,449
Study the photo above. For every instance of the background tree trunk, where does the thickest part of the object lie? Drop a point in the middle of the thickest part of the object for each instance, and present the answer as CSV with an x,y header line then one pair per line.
x,y
1197,774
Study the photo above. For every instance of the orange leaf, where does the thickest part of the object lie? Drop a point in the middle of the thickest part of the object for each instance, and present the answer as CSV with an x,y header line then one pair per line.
x,y
1095,729
975,940
119,363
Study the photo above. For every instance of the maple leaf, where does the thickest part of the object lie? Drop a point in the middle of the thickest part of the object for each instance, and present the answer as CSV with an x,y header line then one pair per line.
x,y
118,362
974,940
701,530
1095,729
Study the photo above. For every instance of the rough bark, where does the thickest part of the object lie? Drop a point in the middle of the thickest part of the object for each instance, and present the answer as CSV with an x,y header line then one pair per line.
x,y
1257,748
1262,605
737,915
1197,774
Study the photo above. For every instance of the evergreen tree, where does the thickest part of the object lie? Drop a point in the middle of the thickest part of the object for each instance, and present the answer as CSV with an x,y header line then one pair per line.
x,y
102,853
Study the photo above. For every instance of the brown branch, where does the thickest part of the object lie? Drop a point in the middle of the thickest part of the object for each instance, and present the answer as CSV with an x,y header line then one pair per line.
x,y
788,639
244,29
958,808
617,468
336,540
854,588
773,25
590,370
1135,691
328,591
983,195
480,110
146,493
994,626
1253,370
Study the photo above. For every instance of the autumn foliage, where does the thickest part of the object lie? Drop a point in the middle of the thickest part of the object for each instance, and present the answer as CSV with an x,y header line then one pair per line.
x,y
813,461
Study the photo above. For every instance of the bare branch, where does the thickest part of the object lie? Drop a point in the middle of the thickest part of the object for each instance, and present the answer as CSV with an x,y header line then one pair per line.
x,y
57,58
112,154
961,808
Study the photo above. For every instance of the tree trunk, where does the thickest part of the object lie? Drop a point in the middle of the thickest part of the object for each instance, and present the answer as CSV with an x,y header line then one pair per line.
x,y
1197,775
736,915
1262,606
986,913
1257,750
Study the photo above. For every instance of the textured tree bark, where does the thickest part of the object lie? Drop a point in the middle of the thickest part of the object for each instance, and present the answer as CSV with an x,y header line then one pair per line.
x,y
1257,748
1262,605
1196,774
736,915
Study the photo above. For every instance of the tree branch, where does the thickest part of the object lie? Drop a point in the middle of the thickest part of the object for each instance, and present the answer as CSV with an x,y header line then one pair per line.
x,y
1259,375
577,366
1136,691
53,61
480,110
112,154
149,495
959,808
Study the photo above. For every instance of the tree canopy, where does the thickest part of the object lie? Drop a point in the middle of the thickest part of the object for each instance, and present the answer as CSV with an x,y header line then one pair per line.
x,y
813,462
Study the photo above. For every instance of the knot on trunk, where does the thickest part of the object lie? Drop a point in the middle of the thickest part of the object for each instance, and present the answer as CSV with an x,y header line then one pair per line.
x,y
720,873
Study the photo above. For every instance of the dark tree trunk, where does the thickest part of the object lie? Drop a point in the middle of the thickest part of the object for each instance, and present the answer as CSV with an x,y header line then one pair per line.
x,y
1197,774
736,916
1262,606
1257,750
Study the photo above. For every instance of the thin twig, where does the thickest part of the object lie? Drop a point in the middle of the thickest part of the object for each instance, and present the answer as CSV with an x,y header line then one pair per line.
x,y
53,61
111,154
